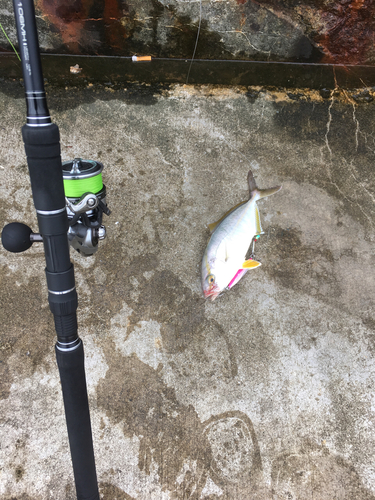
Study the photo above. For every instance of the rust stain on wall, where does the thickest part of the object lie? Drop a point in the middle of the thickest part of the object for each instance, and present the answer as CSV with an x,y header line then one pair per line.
x,y
114,30
344,30
87,26
349,33
67,19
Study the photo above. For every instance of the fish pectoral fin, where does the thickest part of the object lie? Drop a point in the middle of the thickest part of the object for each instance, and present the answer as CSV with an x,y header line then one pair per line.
x,y
251,264
214,225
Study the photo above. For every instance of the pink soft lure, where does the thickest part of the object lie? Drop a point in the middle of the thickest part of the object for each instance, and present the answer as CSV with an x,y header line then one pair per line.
x,y
239,274
248,264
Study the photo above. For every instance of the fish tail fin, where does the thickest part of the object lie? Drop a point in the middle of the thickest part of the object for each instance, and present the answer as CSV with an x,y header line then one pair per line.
x,y
255,190
252,184
267,192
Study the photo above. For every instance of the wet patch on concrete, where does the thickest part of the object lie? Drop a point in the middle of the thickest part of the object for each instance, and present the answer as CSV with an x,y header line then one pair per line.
x,y
172,304
171,434
345,170
352,412
22,496
27,340
174,443
298,266
112,492
163,298
299,473
19,472
86,92
129,93
236,464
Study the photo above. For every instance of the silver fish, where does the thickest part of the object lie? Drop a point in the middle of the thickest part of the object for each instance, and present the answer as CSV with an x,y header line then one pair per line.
x,y
223,262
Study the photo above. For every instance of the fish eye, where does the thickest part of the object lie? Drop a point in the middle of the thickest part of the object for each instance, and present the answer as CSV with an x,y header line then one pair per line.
x,y
211,278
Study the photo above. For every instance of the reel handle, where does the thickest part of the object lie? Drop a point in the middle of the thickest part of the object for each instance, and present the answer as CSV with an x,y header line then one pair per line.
x,y
16,237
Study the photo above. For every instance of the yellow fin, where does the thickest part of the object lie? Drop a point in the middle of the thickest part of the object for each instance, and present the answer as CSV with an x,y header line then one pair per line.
x,y
267,192
250,264
214,225
257,221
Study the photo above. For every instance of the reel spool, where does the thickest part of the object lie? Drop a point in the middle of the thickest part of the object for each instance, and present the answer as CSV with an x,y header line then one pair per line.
x,y
85,196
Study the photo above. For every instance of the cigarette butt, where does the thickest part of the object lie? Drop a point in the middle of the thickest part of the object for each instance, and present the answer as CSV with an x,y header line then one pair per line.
x,y
141,58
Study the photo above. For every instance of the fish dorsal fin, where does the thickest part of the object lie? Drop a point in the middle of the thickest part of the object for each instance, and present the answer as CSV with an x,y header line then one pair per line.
x,y
214,225
257,221
251,264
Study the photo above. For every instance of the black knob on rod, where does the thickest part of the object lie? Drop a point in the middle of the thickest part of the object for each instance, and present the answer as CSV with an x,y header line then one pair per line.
x,y
17,237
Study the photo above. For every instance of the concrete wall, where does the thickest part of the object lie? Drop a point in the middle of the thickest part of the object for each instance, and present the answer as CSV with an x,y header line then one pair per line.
x,y
277,30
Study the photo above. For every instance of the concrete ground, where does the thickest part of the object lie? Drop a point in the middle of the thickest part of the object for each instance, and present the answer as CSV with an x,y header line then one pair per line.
x,y
267,392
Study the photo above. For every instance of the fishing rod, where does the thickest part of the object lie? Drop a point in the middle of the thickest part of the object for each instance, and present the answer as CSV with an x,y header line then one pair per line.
x,y
70,200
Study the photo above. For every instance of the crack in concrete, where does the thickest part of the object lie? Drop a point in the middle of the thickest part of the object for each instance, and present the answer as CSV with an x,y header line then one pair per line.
x,y
366,136
327,164
357,127
349,99
268,52
329,123
362,184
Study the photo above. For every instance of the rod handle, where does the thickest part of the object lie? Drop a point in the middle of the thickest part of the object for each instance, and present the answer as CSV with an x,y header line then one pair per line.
x,y
73,382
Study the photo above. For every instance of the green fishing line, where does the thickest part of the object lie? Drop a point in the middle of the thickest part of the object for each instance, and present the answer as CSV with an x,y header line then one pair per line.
x,y
75,188
9,41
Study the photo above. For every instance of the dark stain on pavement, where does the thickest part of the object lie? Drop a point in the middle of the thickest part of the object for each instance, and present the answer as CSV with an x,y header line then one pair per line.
x,y
313,468
298,266
184,450
109,491
22,496
170,433
236,464
28,337
84,92
163,298
344,171
167,300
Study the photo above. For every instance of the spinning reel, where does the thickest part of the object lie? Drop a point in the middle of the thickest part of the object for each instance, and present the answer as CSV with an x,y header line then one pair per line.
x,y
85,197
